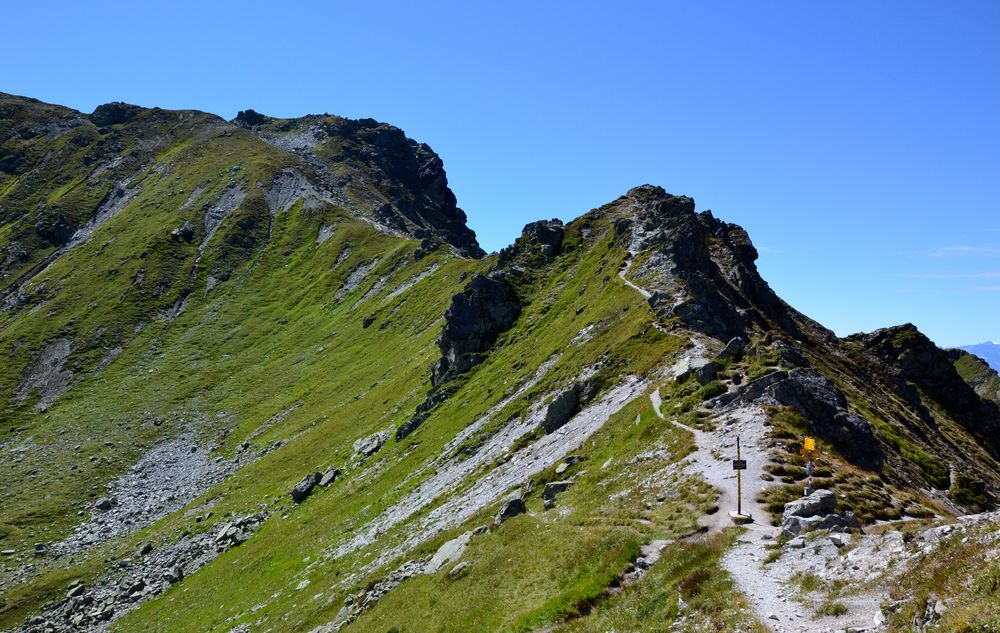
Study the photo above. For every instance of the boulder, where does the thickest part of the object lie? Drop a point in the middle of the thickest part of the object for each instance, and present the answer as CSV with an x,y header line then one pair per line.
x,y
562,408
458,569
304,487
368,446
450,552
555,487
568,403
174,574
106,503
821,502
510,509
734,348
705,373
329,476
795,525
185,232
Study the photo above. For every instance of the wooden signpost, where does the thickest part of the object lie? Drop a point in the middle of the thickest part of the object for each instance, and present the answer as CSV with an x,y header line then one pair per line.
x,y
739,465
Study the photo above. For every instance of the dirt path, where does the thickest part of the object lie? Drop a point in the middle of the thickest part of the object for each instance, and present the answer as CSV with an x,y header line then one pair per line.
x,y
713,457
621,275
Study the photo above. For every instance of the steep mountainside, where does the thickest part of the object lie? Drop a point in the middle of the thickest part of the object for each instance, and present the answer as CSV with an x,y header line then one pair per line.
x,y
261,377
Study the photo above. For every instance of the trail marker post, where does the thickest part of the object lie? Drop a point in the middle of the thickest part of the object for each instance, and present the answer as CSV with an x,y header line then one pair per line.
x,y
739,464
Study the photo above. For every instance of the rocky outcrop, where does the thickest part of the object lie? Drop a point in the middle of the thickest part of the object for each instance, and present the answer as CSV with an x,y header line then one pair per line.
x,y
486,308
402,181
568,403
824,407
977,373
544,237
699,269
114,113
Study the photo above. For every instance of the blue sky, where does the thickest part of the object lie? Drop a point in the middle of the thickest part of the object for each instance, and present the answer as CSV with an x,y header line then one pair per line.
x,y
857,142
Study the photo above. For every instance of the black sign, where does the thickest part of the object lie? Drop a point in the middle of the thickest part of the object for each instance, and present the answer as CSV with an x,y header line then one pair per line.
x,y
739,464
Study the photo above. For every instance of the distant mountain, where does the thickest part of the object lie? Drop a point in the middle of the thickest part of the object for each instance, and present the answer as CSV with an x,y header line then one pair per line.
x,y
989,351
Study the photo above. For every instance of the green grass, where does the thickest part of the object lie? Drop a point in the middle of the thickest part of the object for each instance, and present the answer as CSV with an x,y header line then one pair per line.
x,y
958,572
689,571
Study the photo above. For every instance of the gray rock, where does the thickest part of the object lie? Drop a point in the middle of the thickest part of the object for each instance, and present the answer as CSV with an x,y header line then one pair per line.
x,y
75,591
449,552
798,542
105,503
555,487
174,575
329,476
226,532
840,539
458,569
511,508
567,404
561,410
372,444
706,373
304,487
795,525
561,468
145,549
821,502
681,369
734,348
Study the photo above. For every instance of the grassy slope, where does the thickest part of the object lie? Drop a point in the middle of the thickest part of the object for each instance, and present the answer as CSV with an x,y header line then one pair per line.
x,y
546,327
209,367
271,343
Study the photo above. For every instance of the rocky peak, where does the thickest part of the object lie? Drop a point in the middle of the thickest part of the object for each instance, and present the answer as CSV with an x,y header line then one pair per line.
x,y
544,237
114,113
401,183
250,118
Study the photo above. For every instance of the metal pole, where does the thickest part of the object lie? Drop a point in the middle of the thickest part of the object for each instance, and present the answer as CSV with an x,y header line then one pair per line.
x,y
739,482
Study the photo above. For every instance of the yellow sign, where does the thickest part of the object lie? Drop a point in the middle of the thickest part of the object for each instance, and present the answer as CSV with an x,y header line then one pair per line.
x,y
810,444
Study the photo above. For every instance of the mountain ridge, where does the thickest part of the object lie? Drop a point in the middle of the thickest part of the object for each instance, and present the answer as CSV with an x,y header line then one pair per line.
x,y
293,308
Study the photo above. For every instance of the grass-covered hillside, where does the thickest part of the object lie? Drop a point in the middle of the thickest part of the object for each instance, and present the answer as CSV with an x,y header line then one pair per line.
x,y
261,377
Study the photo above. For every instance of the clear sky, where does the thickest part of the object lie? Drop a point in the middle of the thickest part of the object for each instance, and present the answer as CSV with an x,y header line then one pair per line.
x,y
857,142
